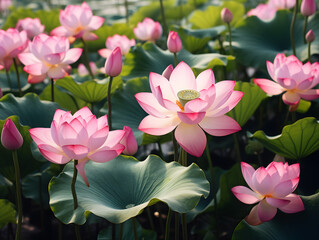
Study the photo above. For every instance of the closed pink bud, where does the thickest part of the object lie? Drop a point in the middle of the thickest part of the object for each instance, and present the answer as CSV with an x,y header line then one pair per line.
x,y
226,15
174,43
310,36
308,7
129,142
11,138
113,65
168,71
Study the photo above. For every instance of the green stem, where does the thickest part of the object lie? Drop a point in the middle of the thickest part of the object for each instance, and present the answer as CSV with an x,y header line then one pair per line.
x,y
134,228
150,219
18,76
18,192
86,59
292,28
293,116
176,226
237,148
175,59
121,231
126,11
309,52
230,39
113,231
163,19
75,198
184,226
109,104
52,90
305,29
77,232
9,80
183,157
175,147
160,150
168,224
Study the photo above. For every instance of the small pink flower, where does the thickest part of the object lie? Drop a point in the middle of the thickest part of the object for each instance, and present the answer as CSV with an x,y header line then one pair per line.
x,y
205,110
82,137
129,141
84,72
32,26
272,187
292,77
11,138
113,65
226,15
174,43
78,21
12,42
310,36
308,7
121,41
148,30
5,4
49,56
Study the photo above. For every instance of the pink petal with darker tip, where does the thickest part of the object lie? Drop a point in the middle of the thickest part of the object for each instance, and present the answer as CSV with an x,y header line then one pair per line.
x,y
246,195
220,126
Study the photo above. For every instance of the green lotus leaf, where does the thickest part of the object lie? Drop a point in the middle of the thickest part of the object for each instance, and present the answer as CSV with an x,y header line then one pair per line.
x,y
296,141
89,91
122,188
31,111
5,186
251,100
147,58
210,17
26,161
302,225
255,41
8,213
106,234
5,85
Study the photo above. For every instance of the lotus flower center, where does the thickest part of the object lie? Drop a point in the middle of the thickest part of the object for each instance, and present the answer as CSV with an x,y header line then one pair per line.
x,y
130,205
185,96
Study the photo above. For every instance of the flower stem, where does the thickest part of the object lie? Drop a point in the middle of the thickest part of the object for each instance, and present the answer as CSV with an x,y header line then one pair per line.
x,y
77,232
121,231
184,226
230,39
309,52
18,76
292,28
163,19
183,157
86,60
183,162
175,147
52,90
305,29
150,219
134,228
109,104
75,198
176,226
175,59
18,192
126,11
168,224
9,80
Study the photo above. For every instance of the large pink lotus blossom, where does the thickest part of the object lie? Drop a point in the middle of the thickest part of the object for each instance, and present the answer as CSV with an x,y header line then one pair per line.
x,y
49,56
12,42
121,41
292,77
148,30
272,187
32,26
82,137
205,112
78,21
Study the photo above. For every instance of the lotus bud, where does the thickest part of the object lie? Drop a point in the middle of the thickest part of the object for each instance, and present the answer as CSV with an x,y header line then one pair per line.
x,y
174,43
226,15
129,142
308,7
113,65
310,36
11,138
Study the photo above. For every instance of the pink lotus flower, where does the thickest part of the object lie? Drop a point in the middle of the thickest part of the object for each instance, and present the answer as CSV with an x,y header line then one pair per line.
x,y
12,42
113,65
82,137
129,141
148,30
174,43
121,41
308,7
292,77
5,4
84,72
32,26
208,103
78,21
226,15
49,56
11,138
272,187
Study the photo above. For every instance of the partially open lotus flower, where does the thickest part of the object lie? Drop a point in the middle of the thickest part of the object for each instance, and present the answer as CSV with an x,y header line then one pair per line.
x,y
189,105
79,22
49,56
291,77
80,136
271,188
11,138
32,26
148,30
121,41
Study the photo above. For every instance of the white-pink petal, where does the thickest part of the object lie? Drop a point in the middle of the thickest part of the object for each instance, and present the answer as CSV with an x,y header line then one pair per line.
x,y
205,79
246,195
158,126
220,126
72,55
266,212
268,86
182,78
150,105
295,204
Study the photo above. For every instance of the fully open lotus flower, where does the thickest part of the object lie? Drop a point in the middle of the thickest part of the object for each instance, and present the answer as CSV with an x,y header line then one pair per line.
x,y
32,26
190,105
121,41
78,21
12,42
49,56
11,138
82,137
292,77
272,187
148,30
